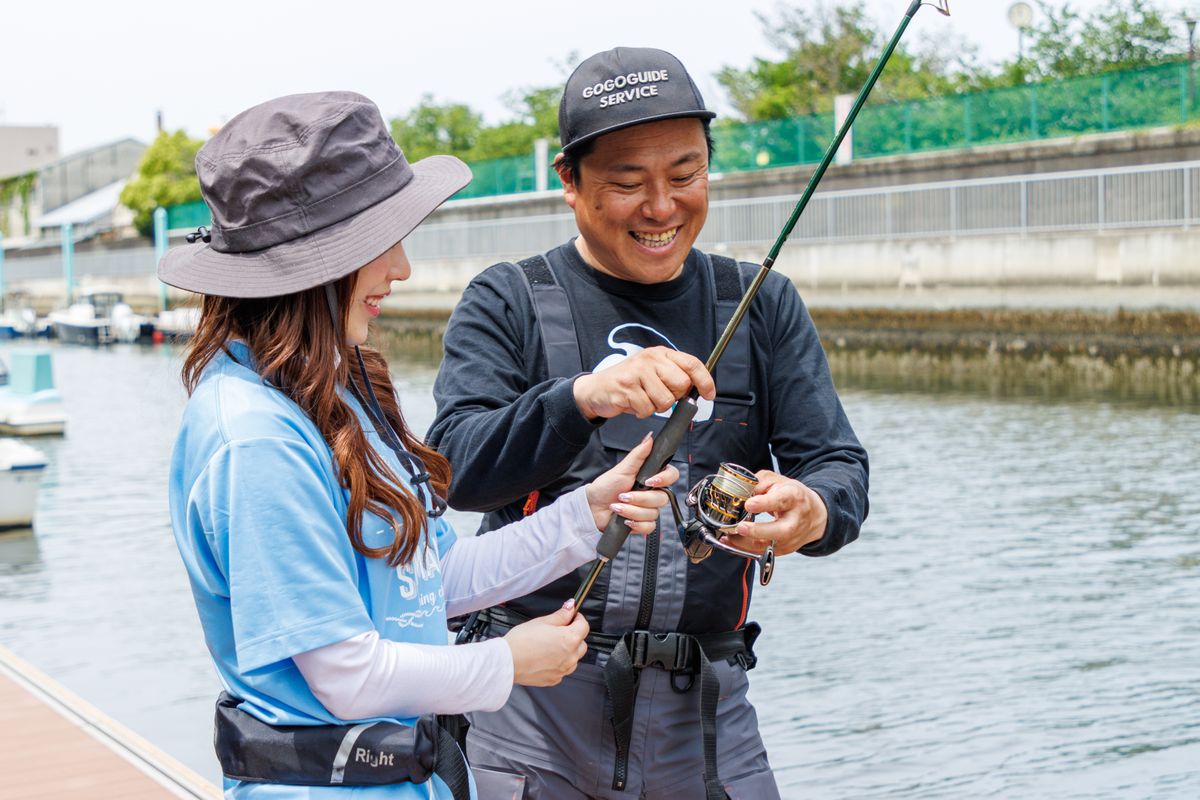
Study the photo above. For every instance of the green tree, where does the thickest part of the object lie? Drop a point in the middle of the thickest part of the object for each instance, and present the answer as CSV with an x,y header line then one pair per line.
x,y
166,176
1122,34
831,50
535,117
432,128
455,129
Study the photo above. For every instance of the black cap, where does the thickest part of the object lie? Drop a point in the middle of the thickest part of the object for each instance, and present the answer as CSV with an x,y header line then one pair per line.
x,y
622,87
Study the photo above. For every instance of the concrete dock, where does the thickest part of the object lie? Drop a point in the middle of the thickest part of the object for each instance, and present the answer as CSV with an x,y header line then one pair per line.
x,y
55,745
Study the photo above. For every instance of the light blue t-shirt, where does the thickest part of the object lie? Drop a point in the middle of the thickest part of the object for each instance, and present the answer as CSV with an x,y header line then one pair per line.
x,y
259,518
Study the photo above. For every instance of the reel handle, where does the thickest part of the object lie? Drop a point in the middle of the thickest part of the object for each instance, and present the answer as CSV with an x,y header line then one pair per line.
x,y
668,441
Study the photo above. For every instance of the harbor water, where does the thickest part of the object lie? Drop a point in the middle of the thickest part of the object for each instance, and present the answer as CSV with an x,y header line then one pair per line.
x,y
1021,617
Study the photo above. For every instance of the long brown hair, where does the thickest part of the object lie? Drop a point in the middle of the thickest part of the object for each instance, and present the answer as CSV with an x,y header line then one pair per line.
x,y
295,345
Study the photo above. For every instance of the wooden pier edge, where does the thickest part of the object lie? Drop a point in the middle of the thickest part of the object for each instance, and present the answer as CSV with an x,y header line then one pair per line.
x,y
178,779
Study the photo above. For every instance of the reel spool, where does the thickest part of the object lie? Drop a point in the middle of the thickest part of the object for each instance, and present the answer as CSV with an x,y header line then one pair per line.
x,y
719,503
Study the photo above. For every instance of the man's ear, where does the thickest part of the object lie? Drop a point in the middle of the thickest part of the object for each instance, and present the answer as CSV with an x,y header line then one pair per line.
x,y
567,177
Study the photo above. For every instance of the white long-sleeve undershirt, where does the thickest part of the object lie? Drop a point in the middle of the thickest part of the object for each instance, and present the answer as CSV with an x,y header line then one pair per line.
x,y
366,676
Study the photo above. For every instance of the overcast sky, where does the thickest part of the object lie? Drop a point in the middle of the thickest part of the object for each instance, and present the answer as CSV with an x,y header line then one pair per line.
x,y
100,71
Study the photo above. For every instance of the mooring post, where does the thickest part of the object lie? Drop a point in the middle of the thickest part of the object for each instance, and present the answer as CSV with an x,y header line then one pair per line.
x,y
1,271
68,259
160,250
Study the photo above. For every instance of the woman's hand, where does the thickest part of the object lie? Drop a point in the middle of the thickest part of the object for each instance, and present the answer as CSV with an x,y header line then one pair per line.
x,y
545,649
609,493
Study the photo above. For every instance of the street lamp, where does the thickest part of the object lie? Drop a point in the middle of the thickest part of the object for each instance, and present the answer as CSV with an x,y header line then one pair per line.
x,y
1020,16
1190,21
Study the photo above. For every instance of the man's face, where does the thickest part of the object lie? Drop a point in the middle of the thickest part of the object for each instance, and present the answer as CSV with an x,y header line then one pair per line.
x,y
641,199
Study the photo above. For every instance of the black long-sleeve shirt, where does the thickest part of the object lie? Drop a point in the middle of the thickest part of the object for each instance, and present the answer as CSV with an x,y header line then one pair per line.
x,y
509,428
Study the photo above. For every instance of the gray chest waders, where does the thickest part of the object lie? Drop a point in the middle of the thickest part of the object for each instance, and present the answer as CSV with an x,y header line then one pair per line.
x,y
365,754
683,655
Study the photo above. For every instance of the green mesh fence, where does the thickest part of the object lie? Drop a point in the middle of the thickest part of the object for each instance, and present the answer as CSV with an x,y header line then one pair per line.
x,y
775,143
188,216
1163,95
501,176
1093,104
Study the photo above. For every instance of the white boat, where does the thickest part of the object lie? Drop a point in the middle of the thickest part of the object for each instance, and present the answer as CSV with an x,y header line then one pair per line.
x,y
29,404
17,323
21,468
100,318
178,323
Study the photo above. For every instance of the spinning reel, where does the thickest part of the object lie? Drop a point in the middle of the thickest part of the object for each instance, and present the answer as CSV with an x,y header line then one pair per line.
x,y
719,504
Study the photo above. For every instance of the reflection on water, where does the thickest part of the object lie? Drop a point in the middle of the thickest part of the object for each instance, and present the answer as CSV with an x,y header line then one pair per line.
x,y
1140,380
20,561
1020,618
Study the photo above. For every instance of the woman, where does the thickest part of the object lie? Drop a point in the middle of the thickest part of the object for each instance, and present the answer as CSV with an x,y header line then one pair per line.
x,y
306,512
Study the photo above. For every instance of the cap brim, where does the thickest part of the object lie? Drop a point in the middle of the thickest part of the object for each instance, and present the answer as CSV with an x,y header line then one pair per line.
x,y
697,113
321,256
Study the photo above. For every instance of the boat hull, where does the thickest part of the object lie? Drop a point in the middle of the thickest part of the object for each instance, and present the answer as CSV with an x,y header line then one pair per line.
x,y
77,333
18,496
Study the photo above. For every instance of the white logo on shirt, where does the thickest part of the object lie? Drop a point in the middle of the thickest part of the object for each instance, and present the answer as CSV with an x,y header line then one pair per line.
x,y
414,579
629,348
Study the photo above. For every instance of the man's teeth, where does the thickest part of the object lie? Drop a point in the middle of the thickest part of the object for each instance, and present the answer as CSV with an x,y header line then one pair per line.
x,y
656,239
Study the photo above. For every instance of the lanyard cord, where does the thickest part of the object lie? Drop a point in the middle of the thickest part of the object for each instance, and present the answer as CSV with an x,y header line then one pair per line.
x,y
418,475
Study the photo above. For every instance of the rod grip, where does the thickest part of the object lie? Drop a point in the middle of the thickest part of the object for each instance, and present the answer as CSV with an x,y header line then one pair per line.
x,y
668,441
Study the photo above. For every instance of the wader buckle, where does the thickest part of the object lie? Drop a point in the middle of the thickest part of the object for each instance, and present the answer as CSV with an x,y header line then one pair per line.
x,y
672,651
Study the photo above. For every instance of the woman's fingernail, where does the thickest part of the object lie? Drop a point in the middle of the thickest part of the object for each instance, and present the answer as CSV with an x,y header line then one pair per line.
x,y
615,508
653,481
569,604
624,497
647,437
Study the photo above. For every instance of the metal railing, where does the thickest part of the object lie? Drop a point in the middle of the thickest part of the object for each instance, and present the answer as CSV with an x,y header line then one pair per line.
x,y
1155,196
1162,196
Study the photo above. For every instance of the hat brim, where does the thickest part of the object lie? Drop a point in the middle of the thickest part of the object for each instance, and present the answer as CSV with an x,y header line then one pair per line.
x,y
620,126
322,256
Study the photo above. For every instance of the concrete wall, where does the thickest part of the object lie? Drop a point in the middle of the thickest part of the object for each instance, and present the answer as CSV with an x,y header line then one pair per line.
x,y
1139,267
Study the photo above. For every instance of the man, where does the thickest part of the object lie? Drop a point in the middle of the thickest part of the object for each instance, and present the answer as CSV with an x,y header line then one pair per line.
x,y
556,366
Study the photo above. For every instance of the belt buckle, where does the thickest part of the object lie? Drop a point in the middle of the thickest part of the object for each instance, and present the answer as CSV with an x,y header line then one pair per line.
x,y
650,649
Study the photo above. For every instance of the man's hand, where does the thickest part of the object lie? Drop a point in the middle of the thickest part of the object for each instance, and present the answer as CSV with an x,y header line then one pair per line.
x,y
647,382
799,512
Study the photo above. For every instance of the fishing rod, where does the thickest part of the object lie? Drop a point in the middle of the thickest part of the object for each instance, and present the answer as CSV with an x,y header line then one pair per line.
x,y
673,432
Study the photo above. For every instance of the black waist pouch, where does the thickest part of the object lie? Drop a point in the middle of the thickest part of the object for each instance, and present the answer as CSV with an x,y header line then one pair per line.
x,y
365,754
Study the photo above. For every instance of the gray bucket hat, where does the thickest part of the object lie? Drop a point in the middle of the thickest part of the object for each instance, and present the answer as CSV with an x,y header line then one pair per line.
x,y
303,190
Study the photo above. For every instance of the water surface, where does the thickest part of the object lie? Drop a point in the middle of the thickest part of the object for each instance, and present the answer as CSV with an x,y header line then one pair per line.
x,y
1021,617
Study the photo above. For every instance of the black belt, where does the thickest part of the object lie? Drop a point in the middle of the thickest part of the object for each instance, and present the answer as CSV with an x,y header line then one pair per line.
x,y
366,754
681,654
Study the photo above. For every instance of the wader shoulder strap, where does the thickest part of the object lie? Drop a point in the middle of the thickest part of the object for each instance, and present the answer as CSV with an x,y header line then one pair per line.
x,y
553,311
733,371
366,754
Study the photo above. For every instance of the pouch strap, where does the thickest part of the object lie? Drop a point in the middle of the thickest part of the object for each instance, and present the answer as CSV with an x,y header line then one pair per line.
x,y
363,754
